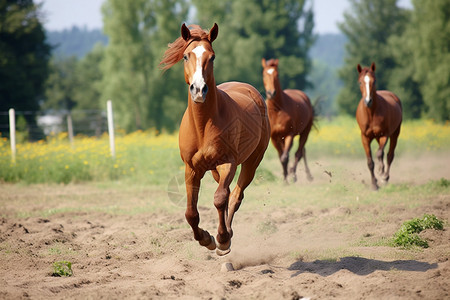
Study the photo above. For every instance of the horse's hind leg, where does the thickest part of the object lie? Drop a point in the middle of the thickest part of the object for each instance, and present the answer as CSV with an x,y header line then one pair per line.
x,y
380,154
246,176
390,155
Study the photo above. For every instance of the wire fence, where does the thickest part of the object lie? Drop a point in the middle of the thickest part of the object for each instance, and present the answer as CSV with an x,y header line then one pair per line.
x,y
35,125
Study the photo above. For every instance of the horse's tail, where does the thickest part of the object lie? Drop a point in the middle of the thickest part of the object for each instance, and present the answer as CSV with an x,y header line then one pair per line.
x,y
316,111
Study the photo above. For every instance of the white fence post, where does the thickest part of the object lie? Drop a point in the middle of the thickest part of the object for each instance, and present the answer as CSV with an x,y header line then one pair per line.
x,y
70,128
12,133
112,145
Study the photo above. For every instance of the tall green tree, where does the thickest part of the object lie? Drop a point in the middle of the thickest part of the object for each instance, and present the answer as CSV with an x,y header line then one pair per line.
x,y
139,31
253,29
368,26
75,83
24,56
429,32
61,84
401,78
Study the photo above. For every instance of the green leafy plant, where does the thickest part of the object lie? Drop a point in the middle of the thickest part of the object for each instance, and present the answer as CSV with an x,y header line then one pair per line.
x,y
407,235
62,268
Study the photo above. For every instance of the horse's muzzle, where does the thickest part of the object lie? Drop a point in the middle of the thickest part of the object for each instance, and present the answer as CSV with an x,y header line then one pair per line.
x,y
270,94
198,94
368,102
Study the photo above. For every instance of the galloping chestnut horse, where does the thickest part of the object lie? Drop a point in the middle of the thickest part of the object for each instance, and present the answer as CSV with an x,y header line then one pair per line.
x,y
223,126
290,114
379,116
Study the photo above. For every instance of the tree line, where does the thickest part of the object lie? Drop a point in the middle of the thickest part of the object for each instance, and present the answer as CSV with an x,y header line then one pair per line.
x,y
409,46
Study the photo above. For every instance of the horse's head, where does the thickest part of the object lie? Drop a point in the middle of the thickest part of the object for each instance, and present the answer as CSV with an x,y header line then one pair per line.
x,y
198,62
194,46
367,81
270,76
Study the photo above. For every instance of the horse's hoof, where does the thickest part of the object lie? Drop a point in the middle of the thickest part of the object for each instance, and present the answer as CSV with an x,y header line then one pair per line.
x,y
212,243
223,249
223,252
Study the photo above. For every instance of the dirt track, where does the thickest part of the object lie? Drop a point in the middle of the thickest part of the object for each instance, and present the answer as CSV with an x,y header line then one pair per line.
x,y
123,244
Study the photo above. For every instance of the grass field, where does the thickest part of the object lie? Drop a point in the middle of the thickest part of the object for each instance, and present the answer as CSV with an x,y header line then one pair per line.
x,y
153,159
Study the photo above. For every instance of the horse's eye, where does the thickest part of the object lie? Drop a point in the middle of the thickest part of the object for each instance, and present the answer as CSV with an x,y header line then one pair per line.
x,y
213,57
185,57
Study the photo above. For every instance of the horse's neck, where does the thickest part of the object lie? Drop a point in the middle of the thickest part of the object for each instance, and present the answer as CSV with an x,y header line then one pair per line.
x,y
277,101
202,113
375,102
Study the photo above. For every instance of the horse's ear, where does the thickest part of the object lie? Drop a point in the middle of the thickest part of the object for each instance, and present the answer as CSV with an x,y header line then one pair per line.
x,y
213,33
358,67
372,67
185,32
263,62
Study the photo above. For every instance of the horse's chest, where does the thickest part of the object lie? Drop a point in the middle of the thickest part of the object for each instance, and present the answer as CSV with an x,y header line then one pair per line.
x,y
280,122
375,131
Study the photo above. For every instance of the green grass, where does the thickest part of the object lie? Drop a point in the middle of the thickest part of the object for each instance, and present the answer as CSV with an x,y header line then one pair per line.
x,y
62,269
407,236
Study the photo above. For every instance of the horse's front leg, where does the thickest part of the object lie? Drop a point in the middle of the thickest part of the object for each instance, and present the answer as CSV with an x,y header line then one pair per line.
x,y
192,180
380,154
226,174
284,157
370,164
390,155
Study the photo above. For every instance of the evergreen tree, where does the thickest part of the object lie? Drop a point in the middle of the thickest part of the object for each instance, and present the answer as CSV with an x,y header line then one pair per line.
x,y
368,27
253,29
401,78
139,31
24,56
429,31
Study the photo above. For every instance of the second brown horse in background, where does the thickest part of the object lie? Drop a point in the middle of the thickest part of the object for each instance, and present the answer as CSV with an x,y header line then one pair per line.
x,y
290,114
379,116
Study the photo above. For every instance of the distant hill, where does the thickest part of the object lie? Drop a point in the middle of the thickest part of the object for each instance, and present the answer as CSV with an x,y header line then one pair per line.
x,y
327,55
75,41
329,49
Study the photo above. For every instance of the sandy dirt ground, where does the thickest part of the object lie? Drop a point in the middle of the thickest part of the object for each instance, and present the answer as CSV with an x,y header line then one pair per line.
x,y
123,245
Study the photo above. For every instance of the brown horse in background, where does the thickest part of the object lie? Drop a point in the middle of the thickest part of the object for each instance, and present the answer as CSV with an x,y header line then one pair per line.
x,y
379,116
290,114
223,126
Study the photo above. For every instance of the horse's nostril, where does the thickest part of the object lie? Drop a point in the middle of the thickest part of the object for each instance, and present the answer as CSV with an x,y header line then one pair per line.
x,y
205,89
191,87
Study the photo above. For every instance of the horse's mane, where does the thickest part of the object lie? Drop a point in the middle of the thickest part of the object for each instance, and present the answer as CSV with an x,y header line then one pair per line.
x,y
176,49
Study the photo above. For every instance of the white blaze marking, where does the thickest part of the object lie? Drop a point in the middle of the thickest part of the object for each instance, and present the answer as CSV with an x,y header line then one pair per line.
x,y
367,80
270,71
198,80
